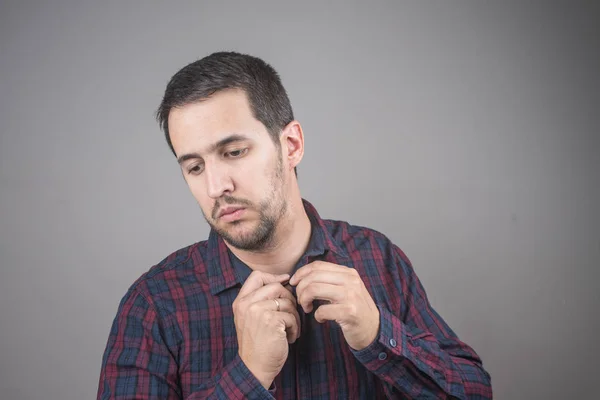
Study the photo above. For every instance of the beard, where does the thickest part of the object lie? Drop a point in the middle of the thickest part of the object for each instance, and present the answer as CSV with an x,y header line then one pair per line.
x,y
270,211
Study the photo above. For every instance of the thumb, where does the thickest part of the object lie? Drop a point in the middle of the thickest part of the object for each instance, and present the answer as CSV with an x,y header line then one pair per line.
x,y
258,279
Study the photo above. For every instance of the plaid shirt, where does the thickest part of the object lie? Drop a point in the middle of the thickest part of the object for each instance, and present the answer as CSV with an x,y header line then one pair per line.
x,y
174,337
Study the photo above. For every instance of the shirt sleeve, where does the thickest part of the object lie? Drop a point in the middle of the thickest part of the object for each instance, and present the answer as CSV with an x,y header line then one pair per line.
x,y
417,353
139,364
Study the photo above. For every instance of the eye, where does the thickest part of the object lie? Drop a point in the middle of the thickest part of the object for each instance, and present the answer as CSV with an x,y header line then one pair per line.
x,y
195,169
236,153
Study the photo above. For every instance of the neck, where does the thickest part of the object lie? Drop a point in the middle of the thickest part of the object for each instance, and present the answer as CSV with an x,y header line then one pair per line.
x,y
289,243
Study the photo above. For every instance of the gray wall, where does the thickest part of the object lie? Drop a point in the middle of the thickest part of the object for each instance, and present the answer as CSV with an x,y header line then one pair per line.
x,y
468,132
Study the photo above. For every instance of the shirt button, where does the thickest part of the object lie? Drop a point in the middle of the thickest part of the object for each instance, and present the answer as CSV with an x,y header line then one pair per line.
x,y
382,356
393,342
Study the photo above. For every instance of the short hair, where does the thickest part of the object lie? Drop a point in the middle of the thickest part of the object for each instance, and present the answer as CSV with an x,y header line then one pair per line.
x,y
218,71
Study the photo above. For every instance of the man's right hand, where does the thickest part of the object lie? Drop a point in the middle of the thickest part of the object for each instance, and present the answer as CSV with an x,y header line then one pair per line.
x,y
263,332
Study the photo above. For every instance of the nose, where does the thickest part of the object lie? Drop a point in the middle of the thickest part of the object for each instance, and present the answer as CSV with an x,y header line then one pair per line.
x,y
218,180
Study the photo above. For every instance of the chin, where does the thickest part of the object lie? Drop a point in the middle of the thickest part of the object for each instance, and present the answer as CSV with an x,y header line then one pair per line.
x,y
238,229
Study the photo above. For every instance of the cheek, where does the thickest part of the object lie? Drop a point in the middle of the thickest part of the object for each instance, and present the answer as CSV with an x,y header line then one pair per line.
x,y
200,195
246,180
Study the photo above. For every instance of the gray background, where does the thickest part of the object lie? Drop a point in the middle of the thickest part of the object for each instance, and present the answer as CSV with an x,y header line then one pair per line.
x,y
468,132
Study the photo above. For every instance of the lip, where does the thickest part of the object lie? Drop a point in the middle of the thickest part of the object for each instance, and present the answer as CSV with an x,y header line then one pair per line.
x,y
229,214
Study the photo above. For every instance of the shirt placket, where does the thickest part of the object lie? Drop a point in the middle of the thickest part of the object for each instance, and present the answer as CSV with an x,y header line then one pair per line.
x,y
303,380
303,383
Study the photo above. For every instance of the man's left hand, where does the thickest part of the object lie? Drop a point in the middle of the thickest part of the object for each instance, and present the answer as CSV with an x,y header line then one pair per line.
x,y
350,304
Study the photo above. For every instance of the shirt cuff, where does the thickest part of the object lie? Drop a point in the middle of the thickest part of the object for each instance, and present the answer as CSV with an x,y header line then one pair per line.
x,y
391,341
247,383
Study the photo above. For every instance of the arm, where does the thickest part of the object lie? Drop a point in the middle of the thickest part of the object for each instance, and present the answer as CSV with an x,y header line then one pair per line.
x,y
418,354
139,363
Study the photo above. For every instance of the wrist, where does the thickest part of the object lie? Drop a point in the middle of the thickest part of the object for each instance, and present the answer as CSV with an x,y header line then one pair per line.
x,y
265,379
371,336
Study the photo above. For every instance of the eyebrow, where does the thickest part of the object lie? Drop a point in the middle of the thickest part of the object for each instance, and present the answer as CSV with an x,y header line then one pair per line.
x,y
236,137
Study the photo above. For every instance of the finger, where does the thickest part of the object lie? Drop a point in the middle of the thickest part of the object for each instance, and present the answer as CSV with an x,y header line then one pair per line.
x,y
331,312
270,291
285,323
320,291
258,279
292,325
287,306
317,266
289,287
334,278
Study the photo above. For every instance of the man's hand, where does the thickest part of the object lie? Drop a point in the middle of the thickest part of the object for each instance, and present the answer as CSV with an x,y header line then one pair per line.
x,y
351,305
266,320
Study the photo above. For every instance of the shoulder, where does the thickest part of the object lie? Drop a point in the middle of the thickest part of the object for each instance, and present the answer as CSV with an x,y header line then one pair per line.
x,y
352,238
178,273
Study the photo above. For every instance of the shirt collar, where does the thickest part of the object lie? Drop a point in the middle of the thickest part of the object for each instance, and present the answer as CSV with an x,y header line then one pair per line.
x,y
225,270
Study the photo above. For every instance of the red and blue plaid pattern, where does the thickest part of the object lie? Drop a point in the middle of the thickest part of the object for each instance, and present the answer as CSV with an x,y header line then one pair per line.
x,y
174,336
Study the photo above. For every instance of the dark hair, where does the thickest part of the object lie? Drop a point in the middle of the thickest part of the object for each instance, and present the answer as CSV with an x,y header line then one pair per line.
x,y
230,70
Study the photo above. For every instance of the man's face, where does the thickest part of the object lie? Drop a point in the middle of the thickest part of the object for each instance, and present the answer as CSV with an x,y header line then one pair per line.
x,y
232,166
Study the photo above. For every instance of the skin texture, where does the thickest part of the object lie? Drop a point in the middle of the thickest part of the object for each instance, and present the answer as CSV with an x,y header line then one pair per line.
x,y
230,162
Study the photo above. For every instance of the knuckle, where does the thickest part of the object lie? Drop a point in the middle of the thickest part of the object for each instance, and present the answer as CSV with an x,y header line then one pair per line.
x,y
269,319
308,291
351,310
285,294
279,288
237,305
283,304
299,298
253,308
255,273
288,303
300,287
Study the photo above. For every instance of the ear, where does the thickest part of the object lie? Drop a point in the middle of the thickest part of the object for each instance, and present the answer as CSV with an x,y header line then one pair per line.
x,y
292,144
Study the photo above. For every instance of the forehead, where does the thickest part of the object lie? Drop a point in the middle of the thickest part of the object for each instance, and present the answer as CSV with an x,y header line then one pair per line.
x,y
195,126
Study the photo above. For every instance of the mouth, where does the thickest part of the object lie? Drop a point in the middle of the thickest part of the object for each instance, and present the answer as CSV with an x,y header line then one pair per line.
x,y
229,214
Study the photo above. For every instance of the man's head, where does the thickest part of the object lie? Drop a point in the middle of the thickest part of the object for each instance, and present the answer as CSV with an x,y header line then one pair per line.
x,y
229,122
229,70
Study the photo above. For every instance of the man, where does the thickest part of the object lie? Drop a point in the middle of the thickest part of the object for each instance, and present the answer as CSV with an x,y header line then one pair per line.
x,y
277,303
